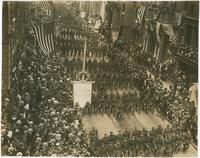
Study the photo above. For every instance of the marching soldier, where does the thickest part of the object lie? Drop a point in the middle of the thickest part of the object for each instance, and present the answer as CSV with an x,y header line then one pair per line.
x,y
188,139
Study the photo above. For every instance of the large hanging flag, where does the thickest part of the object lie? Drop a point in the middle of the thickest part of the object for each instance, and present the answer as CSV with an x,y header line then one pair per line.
x,y
45,35
140,13
48,7
45,6
43,11
179,19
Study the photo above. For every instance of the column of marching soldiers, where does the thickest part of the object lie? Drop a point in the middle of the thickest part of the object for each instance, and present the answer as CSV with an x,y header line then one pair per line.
x,y
110,77
71,42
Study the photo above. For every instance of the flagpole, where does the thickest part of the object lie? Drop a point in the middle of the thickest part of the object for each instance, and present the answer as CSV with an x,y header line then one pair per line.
x,y
84,56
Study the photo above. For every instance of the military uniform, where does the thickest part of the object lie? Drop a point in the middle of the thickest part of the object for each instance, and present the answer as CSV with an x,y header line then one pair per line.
x,y
188,138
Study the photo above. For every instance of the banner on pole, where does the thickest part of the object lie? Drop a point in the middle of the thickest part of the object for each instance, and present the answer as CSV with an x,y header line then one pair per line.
x,y
82,92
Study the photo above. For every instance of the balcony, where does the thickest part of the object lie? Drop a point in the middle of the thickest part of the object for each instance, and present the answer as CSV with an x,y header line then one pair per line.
x,y
188,56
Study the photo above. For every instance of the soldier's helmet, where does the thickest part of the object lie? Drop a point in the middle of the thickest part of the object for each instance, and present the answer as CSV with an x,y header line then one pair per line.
x,y
168,126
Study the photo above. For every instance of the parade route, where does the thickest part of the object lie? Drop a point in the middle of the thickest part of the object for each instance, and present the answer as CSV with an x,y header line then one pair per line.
x,y
105,124
191,152
100,79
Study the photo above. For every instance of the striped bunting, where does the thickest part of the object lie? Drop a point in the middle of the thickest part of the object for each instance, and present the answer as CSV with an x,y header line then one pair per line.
x,y
46,6
44,35
179,19
168,29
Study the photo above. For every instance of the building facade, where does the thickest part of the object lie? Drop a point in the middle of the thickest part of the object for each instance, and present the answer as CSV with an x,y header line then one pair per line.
x,y
182,23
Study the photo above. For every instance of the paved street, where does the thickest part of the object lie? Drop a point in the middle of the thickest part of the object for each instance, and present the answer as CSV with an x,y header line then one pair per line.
x,y
141,120
192,152
106,123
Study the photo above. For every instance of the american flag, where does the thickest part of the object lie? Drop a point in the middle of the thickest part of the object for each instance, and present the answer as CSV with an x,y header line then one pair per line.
x,y
140,13
168,29
45,35
179,18
46,6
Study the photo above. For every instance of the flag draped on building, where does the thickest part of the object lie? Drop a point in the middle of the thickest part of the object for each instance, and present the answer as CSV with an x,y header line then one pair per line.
x,y
45,6
43,25
179,19
140,13
168,29
43,11
45,35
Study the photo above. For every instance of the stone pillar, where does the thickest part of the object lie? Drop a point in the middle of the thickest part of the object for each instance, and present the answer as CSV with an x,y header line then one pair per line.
x,y
102,10
161,46
6,50
193,38
146,42
156,50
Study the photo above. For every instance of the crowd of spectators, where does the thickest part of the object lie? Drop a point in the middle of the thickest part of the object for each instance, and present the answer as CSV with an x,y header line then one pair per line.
x,y
96,22
152,88
41,119
173,103
125,70
165,67
189,52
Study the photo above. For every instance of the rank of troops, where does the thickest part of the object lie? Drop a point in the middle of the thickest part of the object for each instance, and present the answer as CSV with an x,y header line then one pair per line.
x,y
71,40
107,75
173,103
122,72
113,104
36,124
153,142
